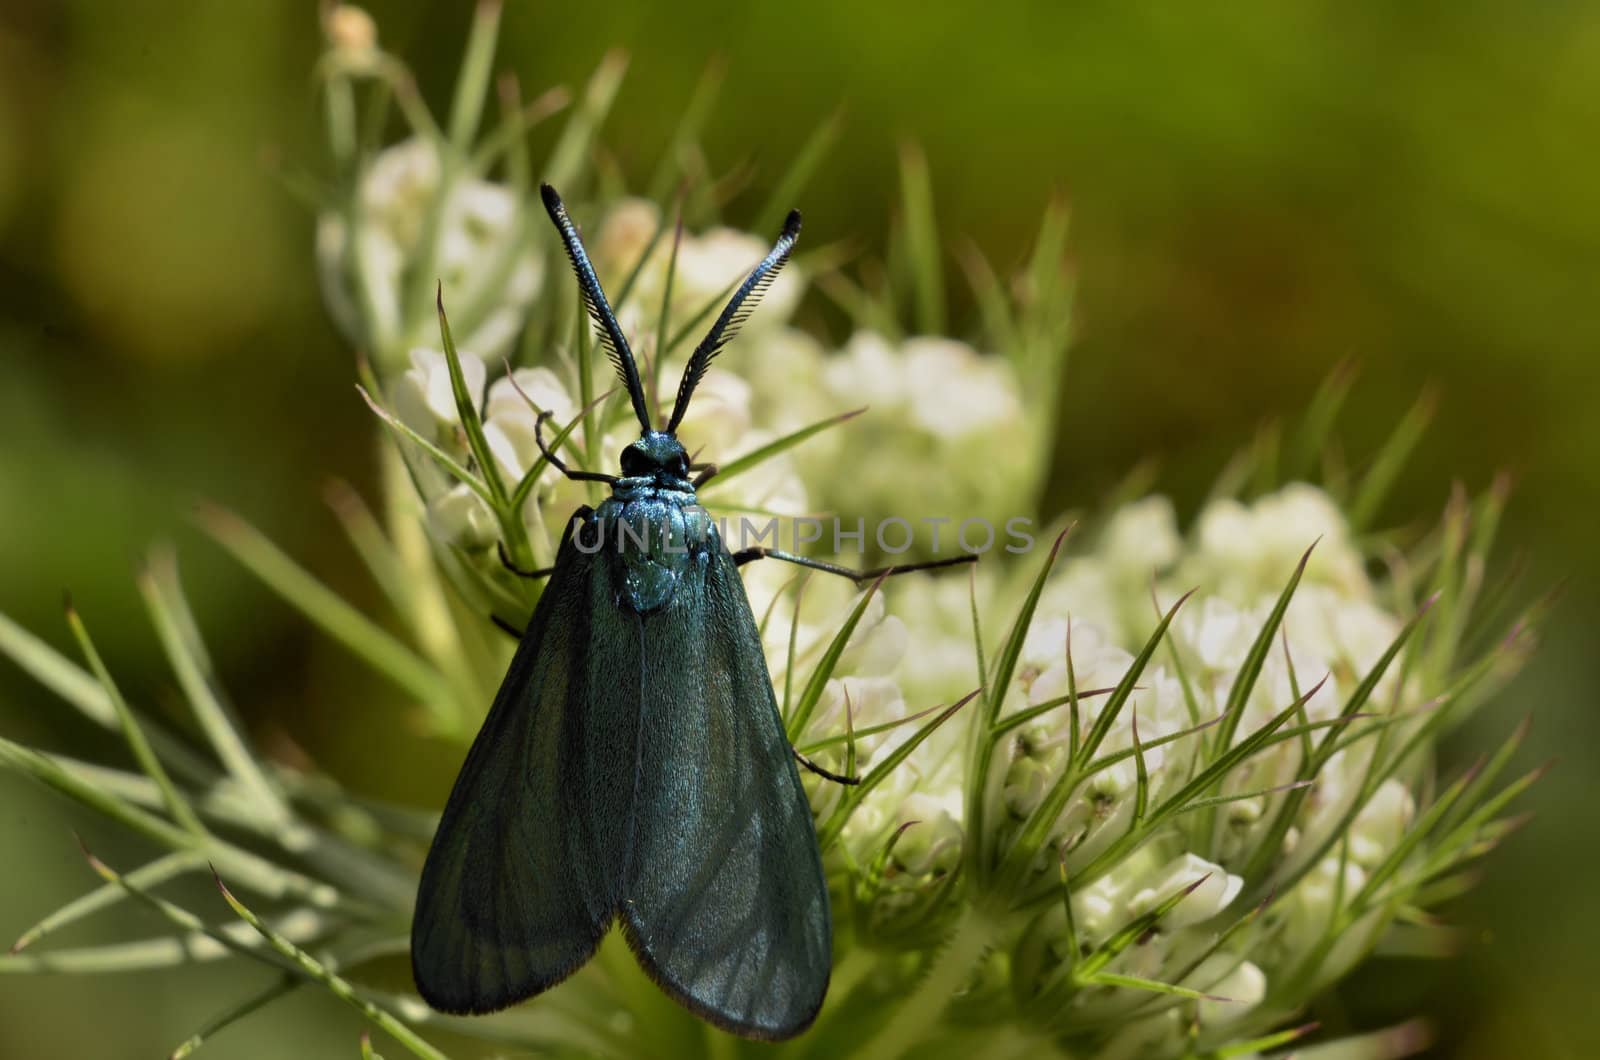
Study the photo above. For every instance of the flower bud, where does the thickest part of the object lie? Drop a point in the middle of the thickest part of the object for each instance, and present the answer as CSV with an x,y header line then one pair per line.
x,y
1026,781
510,423
1380,824
352,34
931,846
1239,981
424,399
954,392
461,518
1246,551
1141,539
1205,901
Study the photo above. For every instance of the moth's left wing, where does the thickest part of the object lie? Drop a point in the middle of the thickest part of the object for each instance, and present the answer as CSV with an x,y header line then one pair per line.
x,y
522,879
724,899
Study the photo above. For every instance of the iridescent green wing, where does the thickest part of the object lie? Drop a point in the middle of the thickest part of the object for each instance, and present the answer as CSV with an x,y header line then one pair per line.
x,y
724,898
522,878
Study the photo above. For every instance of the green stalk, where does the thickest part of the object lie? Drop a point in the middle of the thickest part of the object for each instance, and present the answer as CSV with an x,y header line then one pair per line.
x,y
472,83
915,1015
177,806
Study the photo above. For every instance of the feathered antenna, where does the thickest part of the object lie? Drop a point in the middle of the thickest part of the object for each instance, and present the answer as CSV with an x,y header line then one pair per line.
x,y
594,298
733,317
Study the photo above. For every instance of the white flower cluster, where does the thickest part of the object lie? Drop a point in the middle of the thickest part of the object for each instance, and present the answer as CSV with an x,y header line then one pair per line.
x,y
423,399
411,214
1239,557
1106,598
949,436
708,263
932,403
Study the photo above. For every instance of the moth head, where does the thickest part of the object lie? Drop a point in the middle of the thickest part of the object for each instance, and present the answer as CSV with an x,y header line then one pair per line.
x,y
655,453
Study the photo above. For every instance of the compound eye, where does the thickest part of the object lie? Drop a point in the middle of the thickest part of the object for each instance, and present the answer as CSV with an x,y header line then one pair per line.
x,y
634,462
680,466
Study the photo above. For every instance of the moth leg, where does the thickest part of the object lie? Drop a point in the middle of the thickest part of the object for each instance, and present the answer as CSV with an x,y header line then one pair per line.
x,y
748,555
521,572
707,473
837,778
516,634
555,461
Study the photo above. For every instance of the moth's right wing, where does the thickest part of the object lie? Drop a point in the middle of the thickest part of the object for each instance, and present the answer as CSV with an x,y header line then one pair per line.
x,y
520,883
724,898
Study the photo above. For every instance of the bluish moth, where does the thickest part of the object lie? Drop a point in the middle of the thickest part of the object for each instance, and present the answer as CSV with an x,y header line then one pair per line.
x,y
633,768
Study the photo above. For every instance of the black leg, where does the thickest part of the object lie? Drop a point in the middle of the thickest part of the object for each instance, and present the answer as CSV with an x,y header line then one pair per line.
x,y
555,461
516,634
748,555
819,771
707,473
505,561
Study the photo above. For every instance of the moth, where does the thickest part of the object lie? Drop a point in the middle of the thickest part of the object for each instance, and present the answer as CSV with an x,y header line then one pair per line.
x,y
634,768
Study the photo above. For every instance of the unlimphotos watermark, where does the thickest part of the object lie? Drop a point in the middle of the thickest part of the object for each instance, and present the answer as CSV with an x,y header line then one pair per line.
x,y
893,536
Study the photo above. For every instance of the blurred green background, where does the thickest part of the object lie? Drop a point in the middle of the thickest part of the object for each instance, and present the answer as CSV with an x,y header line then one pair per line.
x,y
1258,192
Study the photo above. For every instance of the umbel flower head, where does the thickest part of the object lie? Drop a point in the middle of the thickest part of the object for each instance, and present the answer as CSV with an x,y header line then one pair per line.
x,y
406,203
1147,789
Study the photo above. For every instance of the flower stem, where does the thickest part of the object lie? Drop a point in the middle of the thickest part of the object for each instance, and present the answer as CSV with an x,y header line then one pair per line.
x,y
973,936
